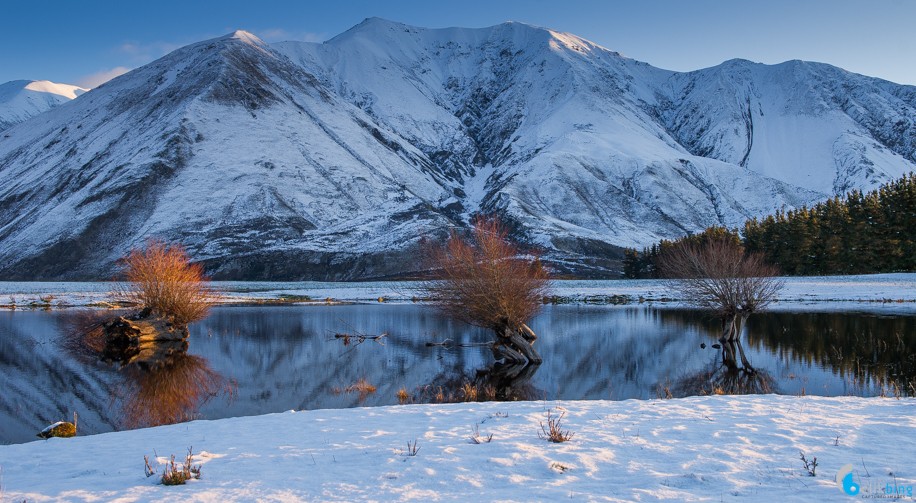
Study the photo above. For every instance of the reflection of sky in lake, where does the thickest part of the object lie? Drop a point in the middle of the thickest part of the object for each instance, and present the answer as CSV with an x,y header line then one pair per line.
x,y
286,357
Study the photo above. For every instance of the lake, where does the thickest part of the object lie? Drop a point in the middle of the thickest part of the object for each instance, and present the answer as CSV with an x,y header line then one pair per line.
x,y
262,359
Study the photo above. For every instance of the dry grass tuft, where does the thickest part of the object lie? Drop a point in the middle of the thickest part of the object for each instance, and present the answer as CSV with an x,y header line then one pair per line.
x,y
403,396
362,386
469,392
162,278
553,431
664,392
175,475
147,468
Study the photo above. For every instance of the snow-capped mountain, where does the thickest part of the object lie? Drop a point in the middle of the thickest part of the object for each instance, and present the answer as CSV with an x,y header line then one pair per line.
x,y
22,99
335,160
808,124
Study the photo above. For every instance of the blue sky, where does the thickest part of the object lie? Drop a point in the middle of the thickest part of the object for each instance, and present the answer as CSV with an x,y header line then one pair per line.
x,y
86,41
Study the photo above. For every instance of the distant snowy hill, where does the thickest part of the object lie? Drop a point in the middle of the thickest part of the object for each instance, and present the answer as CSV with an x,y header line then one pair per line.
x,y
23,99
334,160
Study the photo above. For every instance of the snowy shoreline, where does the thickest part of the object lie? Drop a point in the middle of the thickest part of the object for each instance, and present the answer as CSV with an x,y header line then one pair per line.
x,y
690,449
894,292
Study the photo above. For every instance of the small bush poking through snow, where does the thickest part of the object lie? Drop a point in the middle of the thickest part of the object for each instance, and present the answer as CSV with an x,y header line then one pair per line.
x,y
810,466
559,467
174,474
553,432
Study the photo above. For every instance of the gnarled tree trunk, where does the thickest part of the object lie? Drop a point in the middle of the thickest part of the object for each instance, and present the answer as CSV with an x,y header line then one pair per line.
x,y
142,338
732,325
515,345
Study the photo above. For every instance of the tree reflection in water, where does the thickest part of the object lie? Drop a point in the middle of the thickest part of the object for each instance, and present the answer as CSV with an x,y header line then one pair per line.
x,y
728,377
502,382
159,382
168,389
874,354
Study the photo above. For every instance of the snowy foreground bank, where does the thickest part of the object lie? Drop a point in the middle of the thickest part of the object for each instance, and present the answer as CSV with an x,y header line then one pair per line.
x,y
715,448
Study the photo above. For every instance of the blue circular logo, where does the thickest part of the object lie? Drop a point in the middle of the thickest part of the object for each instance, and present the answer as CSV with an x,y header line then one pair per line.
x,y
844,481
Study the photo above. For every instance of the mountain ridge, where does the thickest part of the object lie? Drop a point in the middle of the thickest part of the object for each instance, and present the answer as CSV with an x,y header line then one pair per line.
x,y
21,100
337,160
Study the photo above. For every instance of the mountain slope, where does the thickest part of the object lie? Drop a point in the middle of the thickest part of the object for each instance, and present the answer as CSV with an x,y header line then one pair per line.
x,y
23,99
224,146
335,160
516,112
808,124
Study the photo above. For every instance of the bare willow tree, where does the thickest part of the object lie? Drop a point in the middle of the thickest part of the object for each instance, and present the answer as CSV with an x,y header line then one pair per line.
x,y
487,281
163,279
718,275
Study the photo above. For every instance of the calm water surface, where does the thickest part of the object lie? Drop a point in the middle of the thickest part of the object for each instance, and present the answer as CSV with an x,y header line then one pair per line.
x,y
255,360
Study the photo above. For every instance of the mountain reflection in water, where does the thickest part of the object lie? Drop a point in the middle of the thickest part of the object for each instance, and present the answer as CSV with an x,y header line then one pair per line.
x,y
255,360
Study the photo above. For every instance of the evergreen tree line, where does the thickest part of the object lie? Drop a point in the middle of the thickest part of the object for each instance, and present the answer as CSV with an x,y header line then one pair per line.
x,y
861,233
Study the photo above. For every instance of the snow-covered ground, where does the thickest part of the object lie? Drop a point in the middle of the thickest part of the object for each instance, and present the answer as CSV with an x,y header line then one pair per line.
x,y
874,292
714,448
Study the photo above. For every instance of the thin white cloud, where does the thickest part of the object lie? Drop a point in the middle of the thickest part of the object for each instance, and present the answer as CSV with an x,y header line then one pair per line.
x,y
129,48
99,78
142,53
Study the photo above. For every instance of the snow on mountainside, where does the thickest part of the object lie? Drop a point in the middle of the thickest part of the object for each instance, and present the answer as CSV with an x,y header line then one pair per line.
x,y
809,124
22,99
225,146
334,160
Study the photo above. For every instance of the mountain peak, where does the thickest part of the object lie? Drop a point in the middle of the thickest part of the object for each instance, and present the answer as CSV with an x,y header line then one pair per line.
x,y
379,21
246,37
22,99
372,26
46,86
15,87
